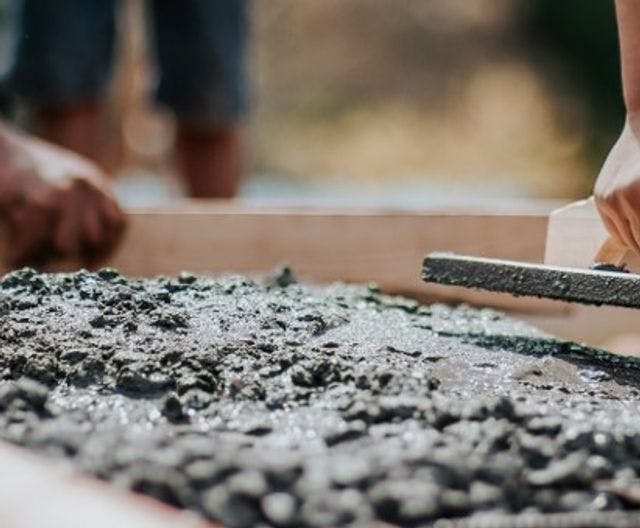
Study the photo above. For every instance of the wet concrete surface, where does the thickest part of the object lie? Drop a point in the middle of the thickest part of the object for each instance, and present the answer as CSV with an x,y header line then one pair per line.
x,y
270,403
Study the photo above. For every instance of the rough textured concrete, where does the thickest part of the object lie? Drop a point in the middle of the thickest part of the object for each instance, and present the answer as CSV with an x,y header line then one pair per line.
x,y
597,286
278,404
589,519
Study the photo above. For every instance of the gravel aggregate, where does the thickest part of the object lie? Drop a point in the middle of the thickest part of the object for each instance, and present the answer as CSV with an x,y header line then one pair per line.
x,y
272,403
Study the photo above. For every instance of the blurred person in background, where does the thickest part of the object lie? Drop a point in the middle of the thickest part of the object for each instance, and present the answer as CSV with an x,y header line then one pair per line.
x,y
63,59
55,203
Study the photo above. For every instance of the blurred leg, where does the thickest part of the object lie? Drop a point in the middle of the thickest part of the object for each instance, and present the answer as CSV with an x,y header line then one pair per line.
x,y
61,68
77,126
200,53
210,159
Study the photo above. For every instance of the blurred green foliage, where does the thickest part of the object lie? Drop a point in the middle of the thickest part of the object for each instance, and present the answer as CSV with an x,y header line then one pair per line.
x,y
579,37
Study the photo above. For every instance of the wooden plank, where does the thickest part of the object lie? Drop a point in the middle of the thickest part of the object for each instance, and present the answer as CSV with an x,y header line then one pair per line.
x,y
386,247
359,246
36,492
325,245
574,236
321,245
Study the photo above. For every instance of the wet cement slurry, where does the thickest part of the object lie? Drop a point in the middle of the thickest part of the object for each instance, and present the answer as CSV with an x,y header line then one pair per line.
x,y
269,403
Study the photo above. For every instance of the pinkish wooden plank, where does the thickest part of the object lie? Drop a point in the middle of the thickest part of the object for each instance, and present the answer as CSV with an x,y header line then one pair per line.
x,y
39,493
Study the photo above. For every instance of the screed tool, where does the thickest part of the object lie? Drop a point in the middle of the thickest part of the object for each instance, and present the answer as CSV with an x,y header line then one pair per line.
x,y
582,264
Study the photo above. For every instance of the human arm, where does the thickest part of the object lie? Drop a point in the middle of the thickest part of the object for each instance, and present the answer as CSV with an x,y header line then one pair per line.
x,y
53,203
617,189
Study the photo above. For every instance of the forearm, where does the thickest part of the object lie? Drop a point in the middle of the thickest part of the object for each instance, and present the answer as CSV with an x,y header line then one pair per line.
x,y
12,159
628,15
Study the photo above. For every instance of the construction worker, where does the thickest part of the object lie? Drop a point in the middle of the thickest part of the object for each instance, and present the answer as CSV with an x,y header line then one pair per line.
x,y
57,203
63,60
53,203
617,190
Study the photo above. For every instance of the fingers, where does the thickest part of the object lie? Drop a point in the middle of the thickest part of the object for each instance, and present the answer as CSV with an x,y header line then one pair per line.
x,y
617,190
79,221
104,225
68,234
113,226
56,204
621,219
90,224
29,235
631,214
94,230
608,222
615,222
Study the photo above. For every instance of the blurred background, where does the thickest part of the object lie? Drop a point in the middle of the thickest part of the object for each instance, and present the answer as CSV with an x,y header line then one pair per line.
x,y
415,103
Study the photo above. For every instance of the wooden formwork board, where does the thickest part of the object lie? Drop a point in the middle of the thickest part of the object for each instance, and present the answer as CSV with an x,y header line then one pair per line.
x,y
360,246
385,247
38,493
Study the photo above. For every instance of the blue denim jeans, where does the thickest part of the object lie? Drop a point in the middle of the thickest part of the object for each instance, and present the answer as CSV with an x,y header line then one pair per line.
x,y
63,52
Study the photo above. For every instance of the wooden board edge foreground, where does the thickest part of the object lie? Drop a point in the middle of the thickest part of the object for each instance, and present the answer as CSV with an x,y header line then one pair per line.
x,y
37,492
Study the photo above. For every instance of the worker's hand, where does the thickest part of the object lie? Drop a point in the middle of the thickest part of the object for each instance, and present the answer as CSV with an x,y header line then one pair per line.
x,y
617,190
54,203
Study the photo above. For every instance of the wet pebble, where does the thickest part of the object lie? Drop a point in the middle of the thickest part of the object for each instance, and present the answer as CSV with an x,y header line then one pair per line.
x,y
279,508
